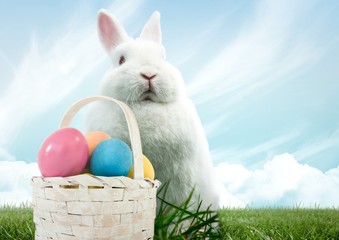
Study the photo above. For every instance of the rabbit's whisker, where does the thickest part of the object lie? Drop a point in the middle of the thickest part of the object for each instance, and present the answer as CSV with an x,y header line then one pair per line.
x,y
133,96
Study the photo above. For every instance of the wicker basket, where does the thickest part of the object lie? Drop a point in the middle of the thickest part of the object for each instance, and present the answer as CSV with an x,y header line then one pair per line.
x,y
93,207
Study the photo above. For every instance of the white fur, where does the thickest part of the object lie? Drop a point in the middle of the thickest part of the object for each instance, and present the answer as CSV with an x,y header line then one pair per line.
x,y
171,132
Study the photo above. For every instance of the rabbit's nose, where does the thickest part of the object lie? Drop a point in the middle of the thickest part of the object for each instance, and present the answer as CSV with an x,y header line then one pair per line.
x,y
148,76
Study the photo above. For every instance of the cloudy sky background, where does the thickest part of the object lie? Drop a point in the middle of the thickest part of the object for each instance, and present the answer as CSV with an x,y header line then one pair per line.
x,y
263,75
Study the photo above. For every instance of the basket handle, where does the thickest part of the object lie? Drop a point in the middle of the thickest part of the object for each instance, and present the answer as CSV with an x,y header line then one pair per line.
x,y
138,164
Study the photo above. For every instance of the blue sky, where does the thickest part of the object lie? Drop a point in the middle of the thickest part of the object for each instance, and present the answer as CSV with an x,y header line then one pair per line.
x,y
263,74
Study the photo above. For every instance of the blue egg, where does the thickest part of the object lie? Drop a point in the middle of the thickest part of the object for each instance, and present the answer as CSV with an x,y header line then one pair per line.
x,y
111,157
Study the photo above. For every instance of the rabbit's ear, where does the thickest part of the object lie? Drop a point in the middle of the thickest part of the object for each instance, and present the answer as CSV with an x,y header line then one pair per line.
x,y
152,29
111,31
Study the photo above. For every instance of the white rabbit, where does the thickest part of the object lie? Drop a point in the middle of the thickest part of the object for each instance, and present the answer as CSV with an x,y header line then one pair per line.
x,y
171,132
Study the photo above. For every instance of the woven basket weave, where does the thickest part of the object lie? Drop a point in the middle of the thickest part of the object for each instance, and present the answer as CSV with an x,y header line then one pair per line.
x,y
92,207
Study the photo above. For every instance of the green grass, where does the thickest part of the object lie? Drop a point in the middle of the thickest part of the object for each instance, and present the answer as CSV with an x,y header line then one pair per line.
x,y
268,223
178,222
16,222
280,223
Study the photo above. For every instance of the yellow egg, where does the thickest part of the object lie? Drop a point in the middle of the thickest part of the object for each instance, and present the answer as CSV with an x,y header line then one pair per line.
x,y
148,169
85,171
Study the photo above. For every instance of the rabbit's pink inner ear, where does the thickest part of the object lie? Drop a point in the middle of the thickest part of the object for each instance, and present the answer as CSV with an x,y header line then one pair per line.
x,y
152,29
111,32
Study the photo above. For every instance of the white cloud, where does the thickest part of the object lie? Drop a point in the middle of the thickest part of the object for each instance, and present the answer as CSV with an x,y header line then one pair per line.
x,y
15,185
232,175
334,174
280,182
229,200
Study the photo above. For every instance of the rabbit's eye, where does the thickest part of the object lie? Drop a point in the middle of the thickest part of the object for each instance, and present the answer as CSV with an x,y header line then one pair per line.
x,y
122,60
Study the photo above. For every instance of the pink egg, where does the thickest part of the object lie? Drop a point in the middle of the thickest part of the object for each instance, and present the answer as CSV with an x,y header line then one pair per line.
x,y
64,153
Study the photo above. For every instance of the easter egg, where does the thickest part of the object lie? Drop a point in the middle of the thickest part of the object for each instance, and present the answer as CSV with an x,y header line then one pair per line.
x,y
111,157
94,138
63,153
148,169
